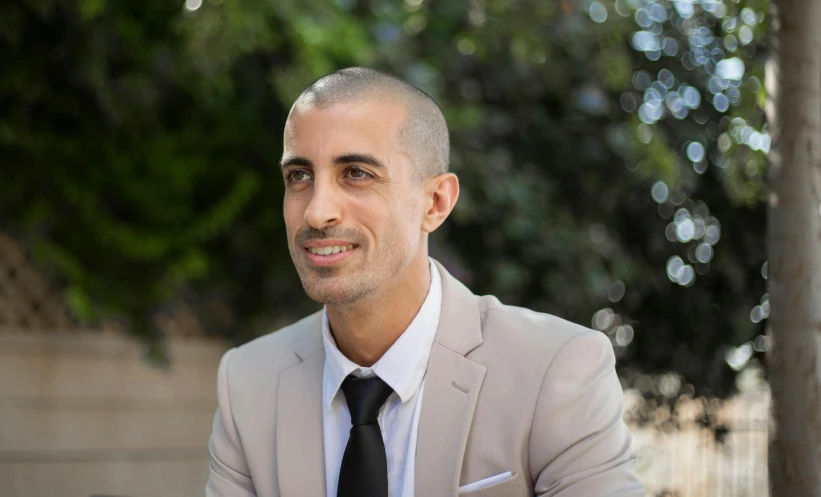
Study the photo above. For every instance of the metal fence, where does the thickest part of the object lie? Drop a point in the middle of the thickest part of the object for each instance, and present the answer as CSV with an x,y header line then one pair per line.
x,y
704,448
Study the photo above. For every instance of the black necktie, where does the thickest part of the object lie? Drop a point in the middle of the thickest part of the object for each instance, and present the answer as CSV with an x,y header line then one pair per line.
x,y
364,469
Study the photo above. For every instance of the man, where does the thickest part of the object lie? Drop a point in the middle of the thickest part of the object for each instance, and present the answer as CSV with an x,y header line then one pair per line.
x,y
405,383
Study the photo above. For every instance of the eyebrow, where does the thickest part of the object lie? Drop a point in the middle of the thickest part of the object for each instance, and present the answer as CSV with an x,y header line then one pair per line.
x,y
340,159
295,161
361,158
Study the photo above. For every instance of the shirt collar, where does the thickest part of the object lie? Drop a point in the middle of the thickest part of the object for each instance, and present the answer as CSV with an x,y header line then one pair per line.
x,y
404,364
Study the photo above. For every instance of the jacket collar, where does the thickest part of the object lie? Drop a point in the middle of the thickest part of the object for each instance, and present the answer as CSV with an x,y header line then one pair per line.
x,y
460,327
459,323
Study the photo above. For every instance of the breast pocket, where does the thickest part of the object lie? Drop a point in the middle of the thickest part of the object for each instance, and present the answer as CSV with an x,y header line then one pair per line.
x,y
511,486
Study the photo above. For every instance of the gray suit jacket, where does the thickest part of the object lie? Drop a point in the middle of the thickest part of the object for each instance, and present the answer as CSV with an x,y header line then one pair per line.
x,y
507,389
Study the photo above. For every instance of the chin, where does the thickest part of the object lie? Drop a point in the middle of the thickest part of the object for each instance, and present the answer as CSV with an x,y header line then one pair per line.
x,y
332,292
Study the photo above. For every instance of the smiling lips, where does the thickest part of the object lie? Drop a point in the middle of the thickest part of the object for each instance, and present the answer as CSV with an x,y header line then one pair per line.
x,y
330,249
329,252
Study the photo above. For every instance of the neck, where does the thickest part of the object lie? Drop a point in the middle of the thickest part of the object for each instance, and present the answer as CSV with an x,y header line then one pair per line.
x,y
365,330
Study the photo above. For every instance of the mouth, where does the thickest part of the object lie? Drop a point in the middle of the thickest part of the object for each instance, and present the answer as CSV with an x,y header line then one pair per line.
x,y
327,255
330,249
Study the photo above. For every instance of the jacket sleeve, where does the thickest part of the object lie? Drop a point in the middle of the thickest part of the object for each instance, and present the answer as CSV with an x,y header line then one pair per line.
x,y
579,445
228,475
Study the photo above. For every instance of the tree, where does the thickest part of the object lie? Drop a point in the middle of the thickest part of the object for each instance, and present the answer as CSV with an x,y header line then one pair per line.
x,y
794,246
138,159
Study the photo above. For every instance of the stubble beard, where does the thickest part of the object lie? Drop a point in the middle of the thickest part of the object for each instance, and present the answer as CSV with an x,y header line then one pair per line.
x,y
336,286
346,286
326,286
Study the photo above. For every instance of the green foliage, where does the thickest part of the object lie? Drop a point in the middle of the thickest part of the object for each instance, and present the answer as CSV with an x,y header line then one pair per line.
x,y
139,144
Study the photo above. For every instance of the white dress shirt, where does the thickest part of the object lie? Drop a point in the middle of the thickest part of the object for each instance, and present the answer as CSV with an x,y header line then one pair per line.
x,y
403,368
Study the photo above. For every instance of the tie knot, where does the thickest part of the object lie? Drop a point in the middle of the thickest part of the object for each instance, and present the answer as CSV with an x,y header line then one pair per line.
x,y
365,397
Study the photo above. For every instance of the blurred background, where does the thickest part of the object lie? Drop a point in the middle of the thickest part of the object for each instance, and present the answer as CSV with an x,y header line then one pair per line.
x,y
612,157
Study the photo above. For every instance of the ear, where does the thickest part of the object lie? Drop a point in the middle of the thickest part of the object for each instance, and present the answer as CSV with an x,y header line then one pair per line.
x,y
441,194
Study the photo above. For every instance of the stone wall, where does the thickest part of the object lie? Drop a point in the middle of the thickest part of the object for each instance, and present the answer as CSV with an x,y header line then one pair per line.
x,y
82,414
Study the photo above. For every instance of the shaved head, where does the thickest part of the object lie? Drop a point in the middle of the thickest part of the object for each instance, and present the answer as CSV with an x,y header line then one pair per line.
x,y
365,165
424,133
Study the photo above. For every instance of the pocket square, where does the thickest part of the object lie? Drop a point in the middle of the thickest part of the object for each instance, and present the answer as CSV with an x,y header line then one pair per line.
x,y
485,482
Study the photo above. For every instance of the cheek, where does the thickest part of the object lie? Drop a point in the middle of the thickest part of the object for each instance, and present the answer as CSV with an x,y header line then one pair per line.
x,y
405,222
293,212
411,212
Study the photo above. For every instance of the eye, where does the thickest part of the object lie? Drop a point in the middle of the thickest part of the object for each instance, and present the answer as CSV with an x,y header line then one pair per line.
x,y
357,173
296,176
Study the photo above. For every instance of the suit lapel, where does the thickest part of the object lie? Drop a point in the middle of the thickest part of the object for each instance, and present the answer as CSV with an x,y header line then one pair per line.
x,y
452,385
300,451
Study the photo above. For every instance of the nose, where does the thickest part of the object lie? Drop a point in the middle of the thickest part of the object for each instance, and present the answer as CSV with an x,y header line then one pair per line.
x,y
324,208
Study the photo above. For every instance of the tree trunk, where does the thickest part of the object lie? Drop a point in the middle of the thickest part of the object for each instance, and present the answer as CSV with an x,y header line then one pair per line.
x,y
794,247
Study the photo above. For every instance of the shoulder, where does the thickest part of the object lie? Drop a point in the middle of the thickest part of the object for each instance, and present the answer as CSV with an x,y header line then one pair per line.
x,y
528,327
538,338
268,355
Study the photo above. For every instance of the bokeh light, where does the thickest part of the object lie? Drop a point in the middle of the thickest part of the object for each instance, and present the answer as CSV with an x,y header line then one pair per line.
x,y
192,5
597,12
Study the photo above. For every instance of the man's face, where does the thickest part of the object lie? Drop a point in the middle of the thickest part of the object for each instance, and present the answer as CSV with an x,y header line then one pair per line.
x,y
353,204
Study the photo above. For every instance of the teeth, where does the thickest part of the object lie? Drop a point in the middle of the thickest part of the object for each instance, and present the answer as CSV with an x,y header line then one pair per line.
x,y
330,250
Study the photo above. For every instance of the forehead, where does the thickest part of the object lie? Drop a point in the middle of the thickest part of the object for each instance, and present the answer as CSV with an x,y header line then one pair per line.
x,y
367,126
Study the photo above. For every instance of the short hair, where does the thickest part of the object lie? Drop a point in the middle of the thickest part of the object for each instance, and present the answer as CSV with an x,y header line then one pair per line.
x,y
424,132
